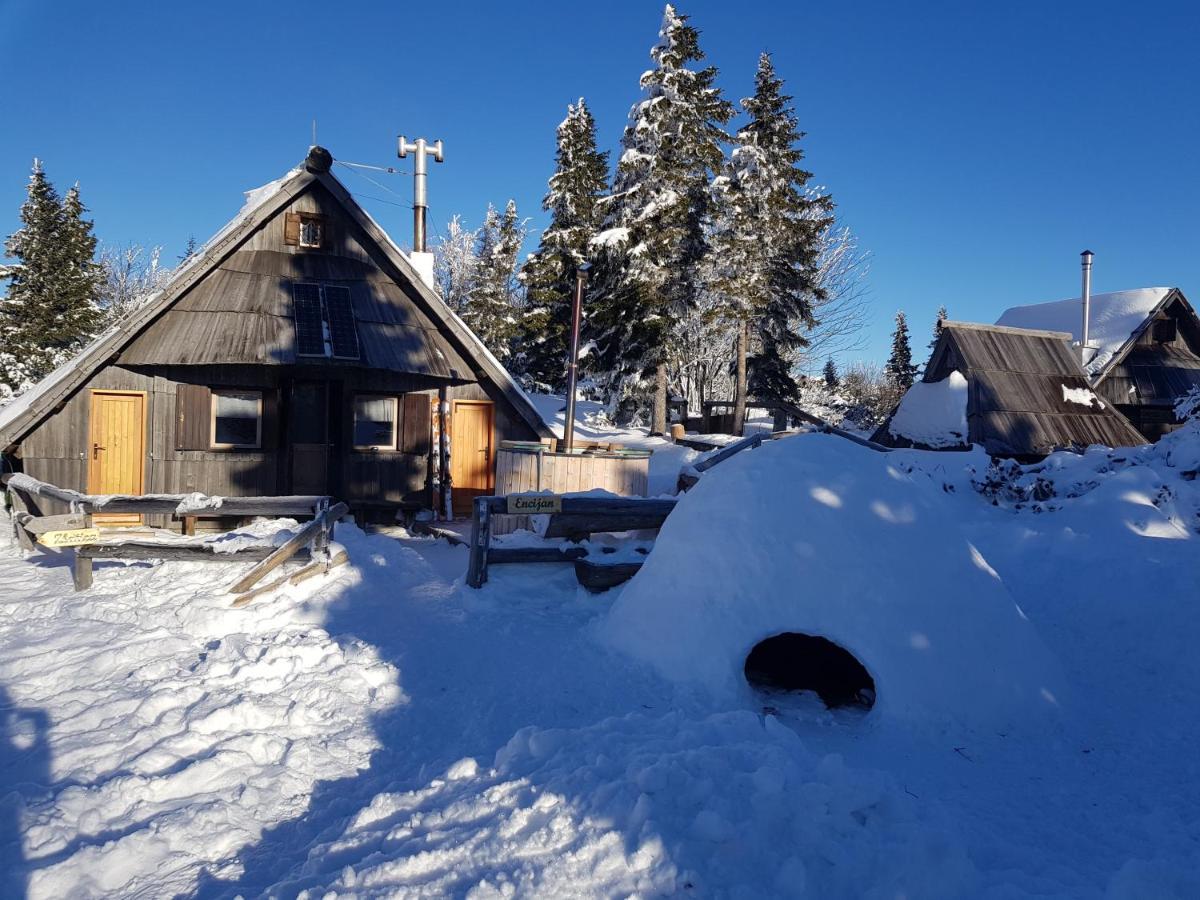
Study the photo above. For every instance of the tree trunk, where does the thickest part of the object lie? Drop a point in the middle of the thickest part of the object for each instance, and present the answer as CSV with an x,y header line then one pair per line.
x,y
658,422
739,388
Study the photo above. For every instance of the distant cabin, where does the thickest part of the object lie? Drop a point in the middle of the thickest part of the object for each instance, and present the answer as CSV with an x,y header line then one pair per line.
x,y
1143,353
1025,395
299,353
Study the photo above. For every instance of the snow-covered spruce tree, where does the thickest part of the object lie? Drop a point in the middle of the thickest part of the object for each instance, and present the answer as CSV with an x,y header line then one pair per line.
x,y
794,218
830,374
937,326
900,369
50,309
455,264
649,255
768,238
491,309
579,182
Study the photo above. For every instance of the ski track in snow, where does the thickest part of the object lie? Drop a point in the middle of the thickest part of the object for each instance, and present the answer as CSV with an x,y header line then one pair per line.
x,y
386,732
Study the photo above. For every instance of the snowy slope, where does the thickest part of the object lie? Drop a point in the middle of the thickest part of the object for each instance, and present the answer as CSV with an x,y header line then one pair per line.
x,y
1113,318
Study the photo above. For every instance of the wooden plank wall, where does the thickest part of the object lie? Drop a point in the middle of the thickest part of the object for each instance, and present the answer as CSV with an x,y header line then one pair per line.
x,y
516,472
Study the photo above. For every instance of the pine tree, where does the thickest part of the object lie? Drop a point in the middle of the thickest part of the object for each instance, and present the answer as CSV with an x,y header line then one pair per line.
x,y
579,182
190,249
937,326
654,242
900,369
769,239
50,309
491,310
830,373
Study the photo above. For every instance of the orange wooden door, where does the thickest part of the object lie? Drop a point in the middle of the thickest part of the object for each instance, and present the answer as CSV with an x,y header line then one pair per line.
x,y
117,448
471,471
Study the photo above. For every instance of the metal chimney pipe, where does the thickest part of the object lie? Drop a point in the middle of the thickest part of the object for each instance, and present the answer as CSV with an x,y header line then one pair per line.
x,y
581,280
420,150
1086,258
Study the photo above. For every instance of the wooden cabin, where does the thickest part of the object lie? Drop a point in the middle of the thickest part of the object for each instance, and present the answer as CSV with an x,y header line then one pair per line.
x,y
1143,350
1027,394
299,353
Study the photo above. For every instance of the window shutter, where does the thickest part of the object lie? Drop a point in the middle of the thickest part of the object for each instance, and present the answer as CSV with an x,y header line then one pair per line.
x,y
291,229
192,411
417,423
270,419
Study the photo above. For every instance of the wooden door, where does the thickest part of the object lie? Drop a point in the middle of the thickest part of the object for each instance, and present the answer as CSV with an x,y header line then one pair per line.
x,y
117,448
471,472
308,437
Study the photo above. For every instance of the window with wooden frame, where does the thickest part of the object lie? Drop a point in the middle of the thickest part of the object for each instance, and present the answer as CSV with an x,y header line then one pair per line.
x,y
304,230
375,422
236,420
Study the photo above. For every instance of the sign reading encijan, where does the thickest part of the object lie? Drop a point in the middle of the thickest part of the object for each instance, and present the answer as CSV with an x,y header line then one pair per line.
x,y
533,504
76,537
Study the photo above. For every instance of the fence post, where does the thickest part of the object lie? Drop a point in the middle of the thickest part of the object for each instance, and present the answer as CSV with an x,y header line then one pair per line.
x,y
481,537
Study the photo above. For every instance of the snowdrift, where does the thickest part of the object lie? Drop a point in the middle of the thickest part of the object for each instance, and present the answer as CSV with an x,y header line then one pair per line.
x,y
815,535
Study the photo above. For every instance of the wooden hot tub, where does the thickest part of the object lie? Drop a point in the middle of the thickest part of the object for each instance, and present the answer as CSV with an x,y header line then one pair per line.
x,y
524,466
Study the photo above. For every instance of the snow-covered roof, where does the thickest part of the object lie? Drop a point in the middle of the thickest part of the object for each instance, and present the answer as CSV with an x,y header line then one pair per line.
x,y
933,413
1114,319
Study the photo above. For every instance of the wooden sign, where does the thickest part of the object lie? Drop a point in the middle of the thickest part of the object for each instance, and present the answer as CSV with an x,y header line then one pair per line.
x,y
533,504
77,537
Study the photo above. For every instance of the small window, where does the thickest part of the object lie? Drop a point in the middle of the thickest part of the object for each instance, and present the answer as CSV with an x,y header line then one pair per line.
x,y
375,423
311,232
236,420
1165,331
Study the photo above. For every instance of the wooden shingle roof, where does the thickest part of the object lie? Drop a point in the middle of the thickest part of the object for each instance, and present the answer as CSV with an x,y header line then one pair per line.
x,y
405,325
1027,392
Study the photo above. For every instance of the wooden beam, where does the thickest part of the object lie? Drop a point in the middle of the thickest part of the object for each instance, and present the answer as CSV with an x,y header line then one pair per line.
x,y
291,548
297,577
481,539
535,554
82,570
174,504
173,552
733,449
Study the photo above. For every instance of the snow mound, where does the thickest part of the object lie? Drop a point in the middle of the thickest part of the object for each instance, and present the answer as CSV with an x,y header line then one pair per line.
x,y
815,535
933,414
644,806
1113,318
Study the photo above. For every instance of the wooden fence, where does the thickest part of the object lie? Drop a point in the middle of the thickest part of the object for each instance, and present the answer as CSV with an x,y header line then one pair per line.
x,y
76,528
577,518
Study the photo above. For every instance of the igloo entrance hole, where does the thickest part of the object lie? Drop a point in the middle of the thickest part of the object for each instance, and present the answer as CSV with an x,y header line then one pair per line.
x,y
802,662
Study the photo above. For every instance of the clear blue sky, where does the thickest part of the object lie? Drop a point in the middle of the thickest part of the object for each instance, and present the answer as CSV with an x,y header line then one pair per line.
x,y
975,148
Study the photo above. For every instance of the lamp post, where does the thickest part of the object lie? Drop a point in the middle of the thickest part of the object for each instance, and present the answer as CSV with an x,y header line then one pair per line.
x,y
581,279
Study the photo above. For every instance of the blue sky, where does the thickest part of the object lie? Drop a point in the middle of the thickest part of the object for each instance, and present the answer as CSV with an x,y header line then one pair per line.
x,y
975,148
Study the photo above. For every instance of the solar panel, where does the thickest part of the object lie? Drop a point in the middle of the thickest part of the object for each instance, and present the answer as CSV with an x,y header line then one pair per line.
x,y
310,332
340,315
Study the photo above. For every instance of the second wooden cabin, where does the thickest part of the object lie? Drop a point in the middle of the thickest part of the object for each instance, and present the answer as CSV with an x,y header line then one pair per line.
x,y
299,353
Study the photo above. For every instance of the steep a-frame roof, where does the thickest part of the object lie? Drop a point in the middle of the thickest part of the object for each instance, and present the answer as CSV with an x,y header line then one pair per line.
x,y
1027,395
27,411
1116,322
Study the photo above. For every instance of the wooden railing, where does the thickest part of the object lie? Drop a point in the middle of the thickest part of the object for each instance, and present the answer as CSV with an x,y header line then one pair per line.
x,y
576,518
311,541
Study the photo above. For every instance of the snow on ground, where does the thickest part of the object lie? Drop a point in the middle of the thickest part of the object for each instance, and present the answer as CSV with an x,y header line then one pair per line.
x,y
934,413
389,732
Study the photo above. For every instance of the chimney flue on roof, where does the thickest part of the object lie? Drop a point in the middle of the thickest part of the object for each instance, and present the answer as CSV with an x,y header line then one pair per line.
x,y
1086,259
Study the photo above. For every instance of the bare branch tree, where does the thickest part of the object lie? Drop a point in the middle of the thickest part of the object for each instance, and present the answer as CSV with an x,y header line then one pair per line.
x,y
132,274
